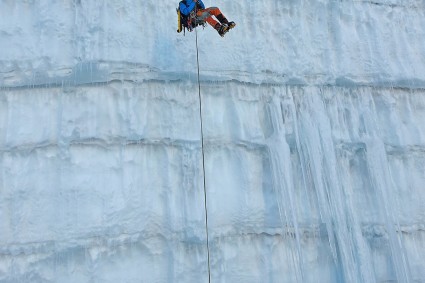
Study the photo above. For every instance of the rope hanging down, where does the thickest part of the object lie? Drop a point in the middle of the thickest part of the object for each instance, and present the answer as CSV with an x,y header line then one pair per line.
x,y
203,158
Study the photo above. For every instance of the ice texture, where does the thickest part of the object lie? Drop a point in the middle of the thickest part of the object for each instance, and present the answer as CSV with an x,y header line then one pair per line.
x,y
313,117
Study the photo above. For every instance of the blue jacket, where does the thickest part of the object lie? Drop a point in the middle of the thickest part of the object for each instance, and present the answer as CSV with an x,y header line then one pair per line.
x,y
185,9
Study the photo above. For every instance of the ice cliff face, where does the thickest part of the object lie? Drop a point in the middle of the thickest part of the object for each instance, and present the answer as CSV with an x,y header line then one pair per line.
x,y
314,139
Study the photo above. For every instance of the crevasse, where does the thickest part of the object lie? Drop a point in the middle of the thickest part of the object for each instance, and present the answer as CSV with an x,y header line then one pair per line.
x,y
313,115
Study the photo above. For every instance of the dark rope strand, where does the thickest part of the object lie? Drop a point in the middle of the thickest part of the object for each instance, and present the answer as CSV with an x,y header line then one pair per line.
x,y
203,158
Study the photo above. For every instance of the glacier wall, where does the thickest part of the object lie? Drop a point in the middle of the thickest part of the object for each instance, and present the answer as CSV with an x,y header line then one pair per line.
x,y
313,128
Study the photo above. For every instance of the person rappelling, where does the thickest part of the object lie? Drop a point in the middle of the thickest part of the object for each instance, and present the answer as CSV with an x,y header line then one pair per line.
x,y
192,13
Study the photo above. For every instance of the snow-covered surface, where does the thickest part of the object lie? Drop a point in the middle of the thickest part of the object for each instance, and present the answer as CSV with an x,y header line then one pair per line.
x,y
314,131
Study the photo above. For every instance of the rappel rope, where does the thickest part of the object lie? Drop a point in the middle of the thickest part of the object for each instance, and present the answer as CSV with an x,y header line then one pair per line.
x,y
203,155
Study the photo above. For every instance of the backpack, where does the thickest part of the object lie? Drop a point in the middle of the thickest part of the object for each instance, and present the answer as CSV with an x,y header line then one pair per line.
x,y
186,22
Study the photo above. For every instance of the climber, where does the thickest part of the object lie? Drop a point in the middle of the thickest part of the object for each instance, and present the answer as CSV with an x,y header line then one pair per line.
x,y
189,8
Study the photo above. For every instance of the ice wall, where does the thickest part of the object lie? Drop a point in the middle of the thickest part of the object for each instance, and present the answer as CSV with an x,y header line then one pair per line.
x,y
313,115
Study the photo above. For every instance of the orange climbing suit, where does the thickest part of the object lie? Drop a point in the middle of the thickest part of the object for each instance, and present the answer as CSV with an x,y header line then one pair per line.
x,y
207,13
